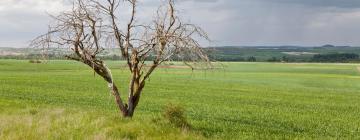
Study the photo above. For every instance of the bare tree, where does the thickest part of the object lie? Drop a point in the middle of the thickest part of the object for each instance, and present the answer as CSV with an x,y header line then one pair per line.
x,y
93,25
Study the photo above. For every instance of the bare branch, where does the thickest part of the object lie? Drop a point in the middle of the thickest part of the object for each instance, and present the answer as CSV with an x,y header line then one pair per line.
x,y
91,25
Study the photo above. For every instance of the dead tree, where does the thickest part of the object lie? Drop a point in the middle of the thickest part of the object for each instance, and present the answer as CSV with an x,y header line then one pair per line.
x,y
93,25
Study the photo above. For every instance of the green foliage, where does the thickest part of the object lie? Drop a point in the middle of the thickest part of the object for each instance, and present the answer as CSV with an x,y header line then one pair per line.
x,y
226,54
286,53
251,59
335,57
273,59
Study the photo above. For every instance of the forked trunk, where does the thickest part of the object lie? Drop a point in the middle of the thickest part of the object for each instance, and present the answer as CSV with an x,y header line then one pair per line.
x,y
133,102
126,110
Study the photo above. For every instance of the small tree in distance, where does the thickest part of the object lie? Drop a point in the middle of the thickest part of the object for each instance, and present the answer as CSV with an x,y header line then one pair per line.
x,y
92,25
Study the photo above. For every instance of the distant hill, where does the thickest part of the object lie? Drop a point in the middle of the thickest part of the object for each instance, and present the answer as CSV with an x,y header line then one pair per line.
x,y
221,53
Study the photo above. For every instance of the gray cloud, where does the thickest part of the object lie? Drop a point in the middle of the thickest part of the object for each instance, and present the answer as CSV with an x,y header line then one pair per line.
x,y
279,22
228,22
322,3
210,1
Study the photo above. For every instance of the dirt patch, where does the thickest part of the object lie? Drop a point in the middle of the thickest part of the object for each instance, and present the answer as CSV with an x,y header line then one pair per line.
x,y
358,68
174,67
161,66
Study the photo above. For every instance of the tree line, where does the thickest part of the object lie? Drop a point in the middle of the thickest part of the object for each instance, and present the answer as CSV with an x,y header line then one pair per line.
x,y
324,58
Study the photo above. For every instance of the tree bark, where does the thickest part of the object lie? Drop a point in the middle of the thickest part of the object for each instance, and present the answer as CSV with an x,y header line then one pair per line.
x,y
104,72
122,107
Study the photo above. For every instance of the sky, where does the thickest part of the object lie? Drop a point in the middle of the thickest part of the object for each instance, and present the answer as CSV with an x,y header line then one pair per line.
x,y
228,22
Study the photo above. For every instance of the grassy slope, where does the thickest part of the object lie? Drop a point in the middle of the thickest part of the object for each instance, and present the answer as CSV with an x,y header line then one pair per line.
x,y
63,100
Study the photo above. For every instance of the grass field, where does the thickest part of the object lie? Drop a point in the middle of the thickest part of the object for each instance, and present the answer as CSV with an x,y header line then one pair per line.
x,y
64,100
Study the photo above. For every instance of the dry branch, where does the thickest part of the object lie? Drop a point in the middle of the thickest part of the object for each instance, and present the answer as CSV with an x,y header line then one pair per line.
x,y
92,25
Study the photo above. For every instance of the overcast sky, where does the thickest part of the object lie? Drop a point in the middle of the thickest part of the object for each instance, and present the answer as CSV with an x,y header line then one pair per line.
x,y
228,22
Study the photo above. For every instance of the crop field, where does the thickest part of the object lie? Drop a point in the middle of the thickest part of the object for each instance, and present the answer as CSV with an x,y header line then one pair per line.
x,y
65,100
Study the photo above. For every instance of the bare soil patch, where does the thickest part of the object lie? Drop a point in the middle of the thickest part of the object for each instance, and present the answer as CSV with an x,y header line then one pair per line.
x,y
174,67
164,66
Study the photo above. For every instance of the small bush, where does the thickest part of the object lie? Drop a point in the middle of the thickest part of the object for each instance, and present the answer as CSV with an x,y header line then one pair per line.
x,y
34,61
175,114
33,111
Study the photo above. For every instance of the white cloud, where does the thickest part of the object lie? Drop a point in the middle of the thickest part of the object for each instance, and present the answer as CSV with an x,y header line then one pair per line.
x,y
51,6
22,20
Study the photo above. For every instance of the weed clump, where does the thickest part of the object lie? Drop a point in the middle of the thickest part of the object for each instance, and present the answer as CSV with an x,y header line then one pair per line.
x,y
175,114
33,111
34,61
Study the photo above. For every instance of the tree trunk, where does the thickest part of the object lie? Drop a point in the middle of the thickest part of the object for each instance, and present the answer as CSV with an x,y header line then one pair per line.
x,y
134,99
122,107
126,110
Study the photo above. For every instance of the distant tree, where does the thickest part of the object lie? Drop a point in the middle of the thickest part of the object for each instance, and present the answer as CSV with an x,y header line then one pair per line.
x,y
328,46
273,59
93,25
336,57
285,59
251,59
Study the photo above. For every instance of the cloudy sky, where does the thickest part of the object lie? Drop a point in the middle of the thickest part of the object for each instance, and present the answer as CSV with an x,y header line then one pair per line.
x,y
228,22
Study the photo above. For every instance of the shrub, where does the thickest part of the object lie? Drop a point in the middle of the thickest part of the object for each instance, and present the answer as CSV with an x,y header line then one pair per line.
x,y
33,111
175,114
34,61
251,59
273,59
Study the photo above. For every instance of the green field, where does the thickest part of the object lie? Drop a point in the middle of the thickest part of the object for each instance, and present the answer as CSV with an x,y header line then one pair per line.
x,y
64,100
